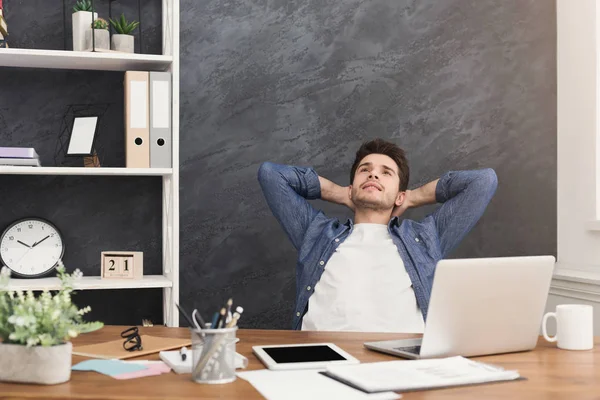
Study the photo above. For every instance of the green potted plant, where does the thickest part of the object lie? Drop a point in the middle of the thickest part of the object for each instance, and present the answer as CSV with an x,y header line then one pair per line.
x,y
101,39
123,40
36,331
82,18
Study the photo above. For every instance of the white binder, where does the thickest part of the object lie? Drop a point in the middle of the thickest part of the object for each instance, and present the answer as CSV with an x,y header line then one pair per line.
x,y
160,120
137,149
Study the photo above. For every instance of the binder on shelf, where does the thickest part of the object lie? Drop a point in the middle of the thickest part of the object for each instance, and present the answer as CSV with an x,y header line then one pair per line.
x,y
137,132
160,120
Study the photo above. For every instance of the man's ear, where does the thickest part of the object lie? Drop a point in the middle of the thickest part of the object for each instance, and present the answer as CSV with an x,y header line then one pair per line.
x,y
350,192
400,199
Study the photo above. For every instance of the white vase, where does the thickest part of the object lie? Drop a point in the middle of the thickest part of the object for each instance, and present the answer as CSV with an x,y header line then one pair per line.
x,y
123,43
37,364
101,37
82,23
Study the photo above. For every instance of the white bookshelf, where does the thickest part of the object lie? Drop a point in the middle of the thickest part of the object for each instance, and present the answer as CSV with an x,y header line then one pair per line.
x,y
60,59
8,170
92,283
111,61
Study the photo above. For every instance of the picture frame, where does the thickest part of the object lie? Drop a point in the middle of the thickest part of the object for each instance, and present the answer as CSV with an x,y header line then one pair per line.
x,y
83,136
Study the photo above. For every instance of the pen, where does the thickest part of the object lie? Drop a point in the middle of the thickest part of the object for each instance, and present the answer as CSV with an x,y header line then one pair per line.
x,y
215,319
187,317
183,352
221,320
229,304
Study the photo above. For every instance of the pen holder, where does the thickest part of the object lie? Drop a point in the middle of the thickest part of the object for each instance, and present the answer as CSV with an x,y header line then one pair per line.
x,y
213,355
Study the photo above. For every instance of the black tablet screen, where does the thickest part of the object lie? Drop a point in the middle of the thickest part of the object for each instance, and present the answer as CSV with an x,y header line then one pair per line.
x,y
300,354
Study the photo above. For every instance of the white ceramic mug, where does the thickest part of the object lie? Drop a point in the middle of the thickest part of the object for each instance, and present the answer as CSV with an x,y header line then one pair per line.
x,y
574,327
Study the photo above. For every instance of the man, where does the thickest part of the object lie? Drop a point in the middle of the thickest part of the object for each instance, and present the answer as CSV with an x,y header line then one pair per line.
x,y
374,274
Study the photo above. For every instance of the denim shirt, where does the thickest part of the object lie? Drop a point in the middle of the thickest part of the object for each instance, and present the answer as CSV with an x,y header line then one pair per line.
x,y
421,244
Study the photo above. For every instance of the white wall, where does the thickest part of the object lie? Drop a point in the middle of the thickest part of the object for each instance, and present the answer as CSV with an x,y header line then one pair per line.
x,y
577,126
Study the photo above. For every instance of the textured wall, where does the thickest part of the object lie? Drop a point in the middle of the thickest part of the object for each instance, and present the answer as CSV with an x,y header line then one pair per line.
x,y
460,84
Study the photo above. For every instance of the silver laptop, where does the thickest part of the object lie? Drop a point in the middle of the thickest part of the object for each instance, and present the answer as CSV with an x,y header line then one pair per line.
x,y
480,306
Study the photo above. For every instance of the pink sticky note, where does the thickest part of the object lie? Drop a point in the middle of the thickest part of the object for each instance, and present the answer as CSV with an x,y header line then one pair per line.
x,y
153,368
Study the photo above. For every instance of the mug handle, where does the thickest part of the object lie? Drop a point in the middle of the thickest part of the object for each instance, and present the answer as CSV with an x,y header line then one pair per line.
x,y
545,333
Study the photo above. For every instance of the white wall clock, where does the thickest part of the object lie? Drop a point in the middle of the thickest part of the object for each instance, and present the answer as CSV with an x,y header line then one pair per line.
x,y
31,247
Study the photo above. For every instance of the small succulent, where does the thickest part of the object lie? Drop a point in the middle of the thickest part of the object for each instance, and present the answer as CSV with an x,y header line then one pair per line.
x,y
83,5
122,26
100,23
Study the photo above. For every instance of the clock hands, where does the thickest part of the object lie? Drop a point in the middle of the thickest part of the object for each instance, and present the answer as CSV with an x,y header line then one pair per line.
x,y
24,244
40,241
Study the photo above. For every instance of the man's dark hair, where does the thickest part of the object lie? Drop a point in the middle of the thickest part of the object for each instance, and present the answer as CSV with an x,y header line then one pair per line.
x,y
380,146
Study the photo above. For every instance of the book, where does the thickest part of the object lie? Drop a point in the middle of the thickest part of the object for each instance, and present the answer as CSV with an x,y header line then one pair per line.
x,y
114,349
3,26
20,162
18,152
402,376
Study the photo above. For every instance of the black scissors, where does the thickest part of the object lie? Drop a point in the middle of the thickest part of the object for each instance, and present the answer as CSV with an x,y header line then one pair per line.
x,y
133,340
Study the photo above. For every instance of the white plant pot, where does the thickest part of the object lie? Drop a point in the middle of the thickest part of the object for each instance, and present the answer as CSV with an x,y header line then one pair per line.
x,y
123,43
82,23
37,364
102,39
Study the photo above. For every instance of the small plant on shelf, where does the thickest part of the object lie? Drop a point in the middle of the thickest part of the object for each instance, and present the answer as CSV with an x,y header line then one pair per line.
x,y
83,5
124,27
123,40
100,23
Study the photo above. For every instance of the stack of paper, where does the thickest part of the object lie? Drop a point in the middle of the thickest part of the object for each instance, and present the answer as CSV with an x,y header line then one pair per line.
x,y
305,384
418,374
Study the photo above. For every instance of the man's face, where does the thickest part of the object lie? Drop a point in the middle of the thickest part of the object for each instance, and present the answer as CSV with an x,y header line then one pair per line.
x,y
376,184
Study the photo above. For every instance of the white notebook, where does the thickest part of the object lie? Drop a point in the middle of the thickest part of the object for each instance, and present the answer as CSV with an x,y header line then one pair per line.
x,y
173,360
418,374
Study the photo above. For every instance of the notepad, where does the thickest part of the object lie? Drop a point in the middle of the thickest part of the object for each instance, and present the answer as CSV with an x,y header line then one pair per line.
x,y
418,374
114,349
108,367
173,360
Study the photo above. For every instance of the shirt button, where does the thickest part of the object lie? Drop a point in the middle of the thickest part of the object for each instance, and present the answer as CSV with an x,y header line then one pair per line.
x,y
297,314
308,288
337,240
321,262
417,240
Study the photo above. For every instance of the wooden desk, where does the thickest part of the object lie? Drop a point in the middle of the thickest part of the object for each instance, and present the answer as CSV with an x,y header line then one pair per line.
x,y
551,373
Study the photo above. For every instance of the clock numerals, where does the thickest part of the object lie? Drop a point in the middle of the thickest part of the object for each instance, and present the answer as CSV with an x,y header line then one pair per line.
x,y
30,226
18,229
11,238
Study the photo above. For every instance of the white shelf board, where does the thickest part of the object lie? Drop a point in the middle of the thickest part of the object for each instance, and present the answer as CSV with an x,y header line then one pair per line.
x,y
91,283
62,59
10,170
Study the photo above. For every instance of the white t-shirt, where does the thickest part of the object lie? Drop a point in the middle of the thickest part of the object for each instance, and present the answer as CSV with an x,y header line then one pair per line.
x,y
364,287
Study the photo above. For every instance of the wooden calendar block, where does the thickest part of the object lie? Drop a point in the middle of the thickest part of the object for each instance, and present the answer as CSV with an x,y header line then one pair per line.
x,y
122,264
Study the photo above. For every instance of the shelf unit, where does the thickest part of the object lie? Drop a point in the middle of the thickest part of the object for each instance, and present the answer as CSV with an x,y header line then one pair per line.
x,y
112,61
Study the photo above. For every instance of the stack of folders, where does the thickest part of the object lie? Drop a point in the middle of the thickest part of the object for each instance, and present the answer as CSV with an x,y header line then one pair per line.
x,y
19,156
148,132
3,29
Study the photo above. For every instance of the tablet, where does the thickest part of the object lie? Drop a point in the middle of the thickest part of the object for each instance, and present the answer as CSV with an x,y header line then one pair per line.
x,y
302,356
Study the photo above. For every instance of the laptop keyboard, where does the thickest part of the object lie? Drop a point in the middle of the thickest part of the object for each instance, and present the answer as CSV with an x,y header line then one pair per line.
x,y
410,349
